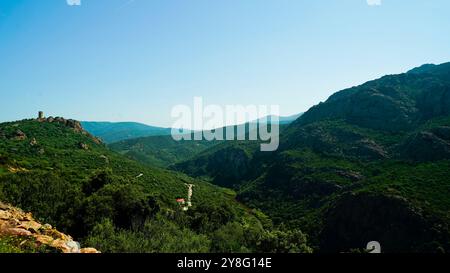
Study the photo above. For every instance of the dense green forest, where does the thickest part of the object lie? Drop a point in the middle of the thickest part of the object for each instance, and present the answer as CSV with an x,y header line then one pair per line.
x,y
370,163
69,179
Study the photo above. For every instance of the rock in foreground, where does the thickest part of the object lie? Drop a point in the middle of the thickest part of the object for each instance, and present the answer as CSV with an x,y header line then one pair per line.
x,y
16,223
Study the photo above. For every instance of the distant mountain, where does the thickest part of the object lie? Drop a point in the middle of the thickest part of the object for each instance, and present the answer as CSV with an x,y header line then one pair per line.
x,y
281,119
164,151
159,151
111,132
289,119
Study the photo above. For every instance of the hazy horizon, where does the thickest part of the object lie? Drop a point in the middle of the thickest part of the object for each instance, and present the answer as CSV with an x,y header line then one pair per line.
x,y
125,60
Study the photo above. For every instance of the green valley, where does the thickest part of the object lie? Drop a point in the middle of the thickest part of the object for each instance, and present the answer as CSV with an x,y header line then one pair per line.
x,y
370,163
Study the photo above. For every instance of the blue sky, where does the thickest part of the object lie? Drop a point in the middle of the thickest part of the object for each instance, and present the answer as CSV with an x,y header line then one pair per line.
x,y
122,60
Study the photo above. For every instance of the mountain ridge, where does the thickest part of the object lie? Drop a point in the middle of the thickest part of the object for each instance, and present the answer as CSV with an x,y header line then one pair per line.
x,y
386,139
117,131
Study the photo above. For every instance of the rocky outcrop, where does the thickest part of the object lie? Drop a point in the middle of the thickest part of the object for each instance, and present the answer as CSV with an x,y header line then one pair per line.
x,y
105,158
74,124
33,142
368,149
350,175
83,146
71,123
337,139
367,106
19,135
15,222
428,145
13,169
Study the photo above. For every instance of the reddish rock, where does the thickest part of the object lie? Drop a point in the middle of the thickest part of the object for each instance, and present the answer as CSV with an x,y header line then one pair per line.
x,y
17,232
89,250
15,222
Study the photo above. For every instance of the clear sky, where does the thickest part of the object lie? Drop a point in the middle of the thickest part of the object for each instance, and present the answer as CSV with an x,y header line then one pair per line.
x,y
125,60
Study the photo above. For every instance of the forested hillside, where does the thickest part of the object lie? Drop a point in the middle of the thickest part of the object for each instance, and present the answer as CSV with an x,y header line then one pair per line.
x,y
370,163
69,179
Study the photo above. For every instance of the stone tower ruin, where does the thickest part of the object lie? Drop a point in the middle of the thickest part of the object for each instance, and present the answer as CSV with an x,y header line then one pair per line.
x,y
41,115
